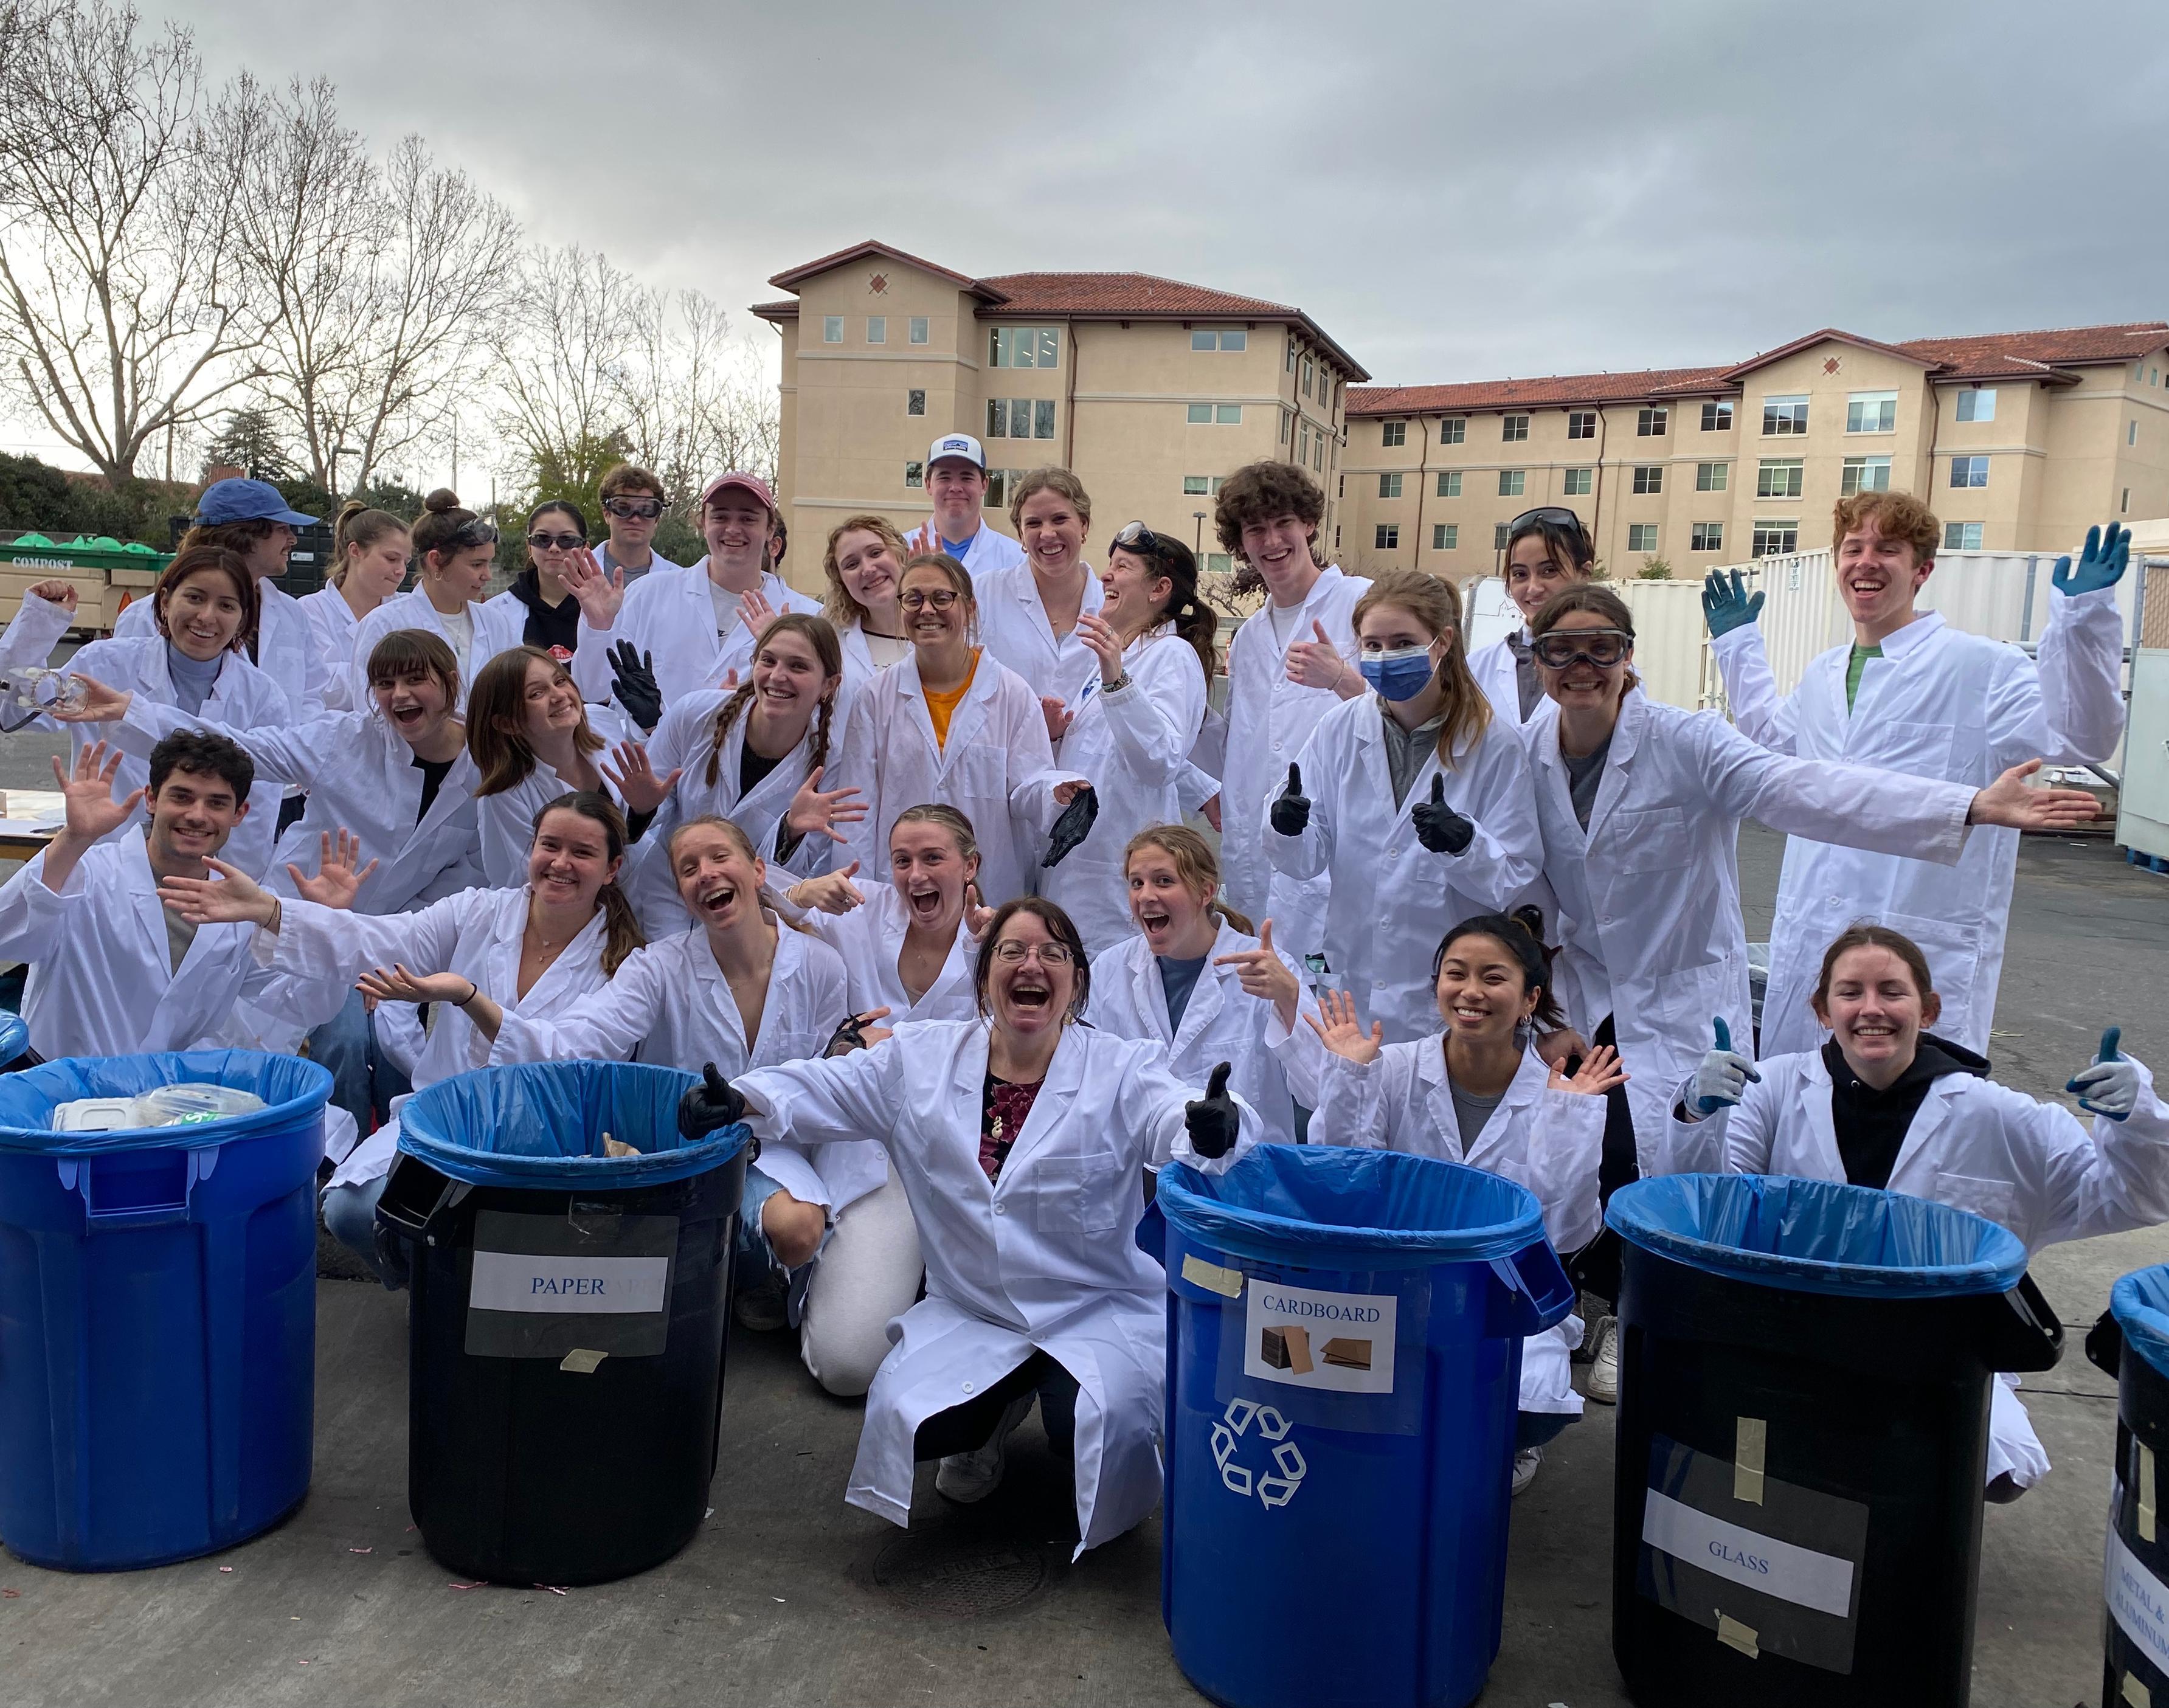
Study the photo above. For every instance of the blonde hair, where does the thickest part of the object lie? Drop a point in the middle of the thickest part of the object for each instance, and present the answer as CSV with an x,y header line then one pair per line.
x,y
1434,604
942,817
837,603
1195,863
1051,479
358,525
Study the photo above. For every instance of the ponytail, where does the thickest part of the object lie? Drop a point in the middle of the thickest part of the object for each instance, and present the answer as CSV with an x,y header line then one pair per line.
x,y
622,931
1241,921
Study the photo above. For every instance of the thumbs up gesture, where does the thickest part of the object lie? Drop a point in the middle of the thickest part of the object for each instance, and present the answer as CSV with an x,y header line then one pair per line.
x,y
1213,1120
1291,813
2110,1085
1317,663
1439,827
1722,1079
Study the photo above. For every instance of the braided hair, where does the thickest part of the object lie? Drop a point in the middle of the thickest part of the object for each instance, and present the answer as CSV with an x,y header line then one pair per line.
x,y
820,634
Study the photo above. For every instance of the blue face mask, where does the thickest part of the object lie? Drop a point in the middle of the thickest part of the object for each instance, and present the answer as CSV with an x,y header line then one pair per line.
x,y
1402,674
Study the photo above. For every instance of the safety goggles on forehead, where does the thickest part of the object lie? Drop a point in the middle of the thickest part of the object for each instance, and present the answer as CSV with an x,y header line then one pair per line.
x,y
634,509
475,533
1135,536
1544,516
1603,647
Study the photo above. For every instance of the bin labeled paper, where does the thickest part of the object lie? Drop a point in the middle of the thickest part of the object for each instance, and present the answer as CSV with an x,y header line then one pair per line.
x,y
544,1286
1342,1343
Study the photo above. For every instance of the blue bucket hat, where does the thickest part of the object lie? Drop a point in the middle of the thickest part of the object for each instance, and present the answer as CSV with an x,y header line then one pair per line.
x,y
248,501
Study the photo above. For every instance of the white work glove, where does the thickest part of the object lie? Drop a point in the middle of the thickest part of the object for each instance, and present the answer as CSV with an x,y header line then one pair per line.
x,y
1722,1079
2109,1086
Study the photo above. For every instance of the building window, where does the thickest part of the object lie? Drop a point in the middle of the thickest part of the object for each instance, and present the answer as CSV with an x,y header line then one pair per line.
x,y
1219,562
1499,532
1778,479
915,403
1969,471
1445,536
1581,423
1641,536
1717,418
832,329
1308,369
1706,536
1783,416
1387,538
2131,432
1961,536
919,328
1978,404
1712,477
1303,442
1393,433
1453,430
1512,482
1389,486
876,328
1228,415
1200,486
1318,452
1291,355
914,474
1513,429
1652,424
1449,483
998,483
1285,419
1579,482
1201,339
1200,415
1776,539
1020,418
1864,474
2124,509
1650,478
1872,412
1022,346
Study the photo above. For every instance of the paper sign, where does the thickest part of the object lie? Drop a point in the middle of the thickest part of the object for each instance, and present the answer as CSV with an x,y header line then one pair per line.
x,y
1342,1343
566,1285
1783,1569
2137,1601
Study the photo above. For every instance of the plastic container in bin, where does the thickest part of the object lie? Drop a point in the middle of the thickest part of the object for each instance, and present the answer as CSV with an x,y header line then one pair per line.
x,y
2131,1343
1803,1439
567,1324
157,1312
1344,1354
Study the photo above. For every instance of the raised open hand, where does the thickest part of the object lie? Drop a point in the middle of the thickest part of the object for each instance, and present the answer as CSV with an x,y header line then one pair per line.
x,y
1340,1030
87,793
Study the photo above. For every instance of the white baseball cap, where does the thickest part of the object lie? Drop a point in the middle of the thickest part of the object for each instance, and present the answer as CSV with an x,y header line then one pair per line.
x,y
961,444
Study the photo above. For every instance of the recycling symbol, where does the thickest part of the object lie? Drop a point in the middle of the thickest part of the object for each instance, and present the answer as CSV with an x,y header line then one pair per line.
x,y
1276,1489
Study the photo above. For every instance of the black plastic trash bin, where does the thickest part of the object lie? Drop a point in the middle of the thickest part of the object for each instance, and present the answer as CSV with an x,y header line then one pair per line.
x,y
568,1319
1803,1439
2131,1343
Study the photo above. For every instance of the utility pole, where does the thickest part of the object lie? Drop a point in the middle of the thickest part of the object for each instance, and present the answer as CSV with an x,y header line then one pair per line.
x,y
1200,546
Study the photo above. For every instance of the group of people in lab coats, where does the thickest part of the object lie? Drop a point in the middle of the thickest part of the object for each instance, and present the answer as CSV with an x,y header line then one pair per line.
x,y
956,885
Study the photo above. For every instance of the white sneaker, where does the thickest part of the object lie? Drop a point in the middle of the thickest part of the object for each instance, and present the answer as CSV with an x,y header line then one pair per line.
x,y
1526,1462
1603,1384
967,1477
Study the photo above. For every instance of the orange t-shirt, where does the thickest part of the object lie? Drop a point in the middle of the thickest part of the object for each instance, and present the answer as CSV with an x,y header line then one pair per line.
x,y
941,707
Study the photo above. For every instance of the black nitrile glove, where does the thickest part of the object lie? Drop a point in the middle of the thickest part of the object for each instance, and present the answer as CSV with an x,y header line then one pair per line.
x,y
1439,827
713,1104
1291,813
1073,827
632,679
1213,1120
846,1038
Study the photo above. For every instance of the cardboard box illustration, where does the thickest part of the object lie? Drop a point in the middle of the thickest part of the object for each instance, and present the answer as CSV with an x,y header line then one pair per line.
x,y
1349,1354
1286,1347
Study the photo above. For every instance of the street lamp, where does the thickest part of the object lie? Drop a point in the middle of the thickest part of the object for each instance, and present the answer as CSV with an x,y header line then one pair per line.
x,y
1199,547
338,451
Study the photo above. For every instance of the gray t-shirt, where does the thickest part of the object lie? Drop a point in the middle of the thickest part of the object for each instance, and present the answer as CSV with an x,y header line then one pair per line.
x,y
1177,980
1583,775
1406,750
1471,1111
179,934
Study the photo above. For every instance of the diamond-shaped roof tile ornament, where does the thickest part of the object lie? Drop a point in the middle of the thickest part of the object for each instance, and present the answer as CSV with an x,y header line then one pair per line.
x,y
878,284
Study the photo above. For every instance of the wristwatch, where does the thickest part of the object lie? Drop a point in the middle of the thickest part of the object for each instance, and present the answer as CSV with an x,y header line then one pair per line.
x,y
1122,681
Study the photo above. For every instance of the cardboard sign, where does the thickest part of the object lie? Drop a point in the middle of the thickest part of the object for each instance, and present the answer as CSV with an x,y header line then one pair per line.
x,y
1341,1342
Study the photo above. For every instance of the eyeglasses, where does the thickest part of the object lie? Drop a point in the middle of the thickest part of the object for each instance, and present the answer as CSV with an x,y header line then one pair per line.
x,y
556,542
1544,516
640,509
941,599
475,533
1012,953
1135,536
1603,647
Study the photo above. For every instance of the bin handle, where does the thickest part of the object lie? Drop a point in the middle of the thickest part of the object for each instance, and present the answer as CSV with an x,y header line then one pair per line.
x,y
2105,1346
135,1215
1152,1233
1536,1295
2025,1336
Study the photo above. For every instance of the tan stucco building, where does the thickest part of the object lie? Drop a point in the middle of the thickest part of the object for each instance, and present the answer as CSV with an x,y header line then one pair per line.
x,y
1151,390
2016,440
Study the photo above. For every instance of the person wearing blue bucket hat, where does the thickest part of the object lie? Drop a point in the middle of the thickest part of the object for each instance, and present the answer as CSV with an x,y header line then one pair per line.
x,y
1887,1104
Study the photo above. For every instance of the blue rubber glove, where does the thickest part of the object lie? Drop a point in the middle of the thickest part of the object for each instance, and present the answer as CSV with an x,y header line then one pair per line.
x,y
2101,564
1726,607
2110,1087
1722,1079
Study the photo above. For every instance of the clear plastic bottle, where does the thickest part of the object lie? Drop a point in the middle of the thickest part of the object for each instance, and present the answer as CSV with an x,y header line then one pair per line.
x,y
191,1105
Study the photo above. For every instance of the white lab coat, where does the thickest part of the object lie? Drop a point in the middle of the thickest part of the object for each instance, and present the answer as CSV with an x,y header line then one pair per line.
x,y
1937,704
1014,627
36,628
1269,1068
997,769
1492,666
1550,1141
1133,744
1043,1258
1973,1145
477,933
285,645
1648,918
500,624
504,824
332,626
1390,899
1269,719
670,615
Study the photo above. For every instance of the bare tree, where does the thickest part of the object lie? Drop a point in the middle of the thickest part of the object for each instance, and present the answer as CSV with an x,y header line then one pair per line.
x,y
566,360
697,404
121,317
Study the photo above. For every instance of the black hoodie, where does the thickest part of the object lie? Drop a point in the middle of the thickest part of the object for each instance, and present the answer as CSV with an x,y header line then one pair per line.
x,y
1871,1125
556,631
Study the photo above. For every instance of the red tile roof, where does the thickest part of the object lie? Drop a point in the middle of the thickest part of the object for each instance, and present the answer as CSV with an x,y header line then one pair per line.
x,y
1994,355
1831,335
1558,391
792,279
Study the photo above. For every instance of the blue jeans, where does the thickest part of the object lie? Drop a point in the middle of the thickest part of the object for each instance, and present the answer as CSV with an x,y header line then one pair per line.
x,y
350,1215
1535,1428
753,1264
363,1082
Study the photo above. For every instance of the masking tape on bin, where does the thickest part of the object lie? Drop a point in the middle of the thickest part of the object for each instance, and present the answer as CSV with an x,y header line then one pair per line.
x,y
2136,1693
1751,1444
1736,1636
2145,1490
1228,1283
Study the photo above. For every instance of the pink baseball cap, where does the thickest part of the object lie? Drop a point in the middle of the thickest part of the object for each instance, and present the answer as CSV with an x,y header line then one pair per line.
x,y
745,483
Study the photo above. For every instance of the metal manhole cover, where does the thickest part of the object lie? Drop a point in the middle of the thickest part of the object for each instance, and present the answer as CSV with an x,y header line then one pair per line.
x,y
958,1577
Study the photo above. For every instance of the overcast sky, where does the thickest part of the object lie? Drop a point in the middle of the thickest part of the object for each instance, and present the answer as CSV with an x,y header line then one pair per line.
x,y
1454,190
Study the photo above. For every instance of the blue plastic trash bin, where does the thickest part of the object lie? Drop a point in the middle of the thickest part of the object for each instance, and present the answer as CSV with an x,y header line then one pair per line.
x,y
1803,1439
1344,1356
2131,1343
157,1312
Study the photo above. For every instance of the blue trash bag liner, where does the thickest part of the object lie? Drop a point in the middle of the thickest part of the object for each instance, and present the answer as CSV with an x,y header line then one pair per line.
x,y
292,1090
1330,1206
14,1037
1818,1236
2140,1302
541,1126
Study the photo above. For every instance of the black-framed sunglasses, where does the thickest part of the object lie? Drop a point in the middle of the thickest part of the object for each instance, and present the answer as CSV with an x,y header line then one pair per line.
x,y
1135,536
1603,647
556,542
941,599
633,509
1544,516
